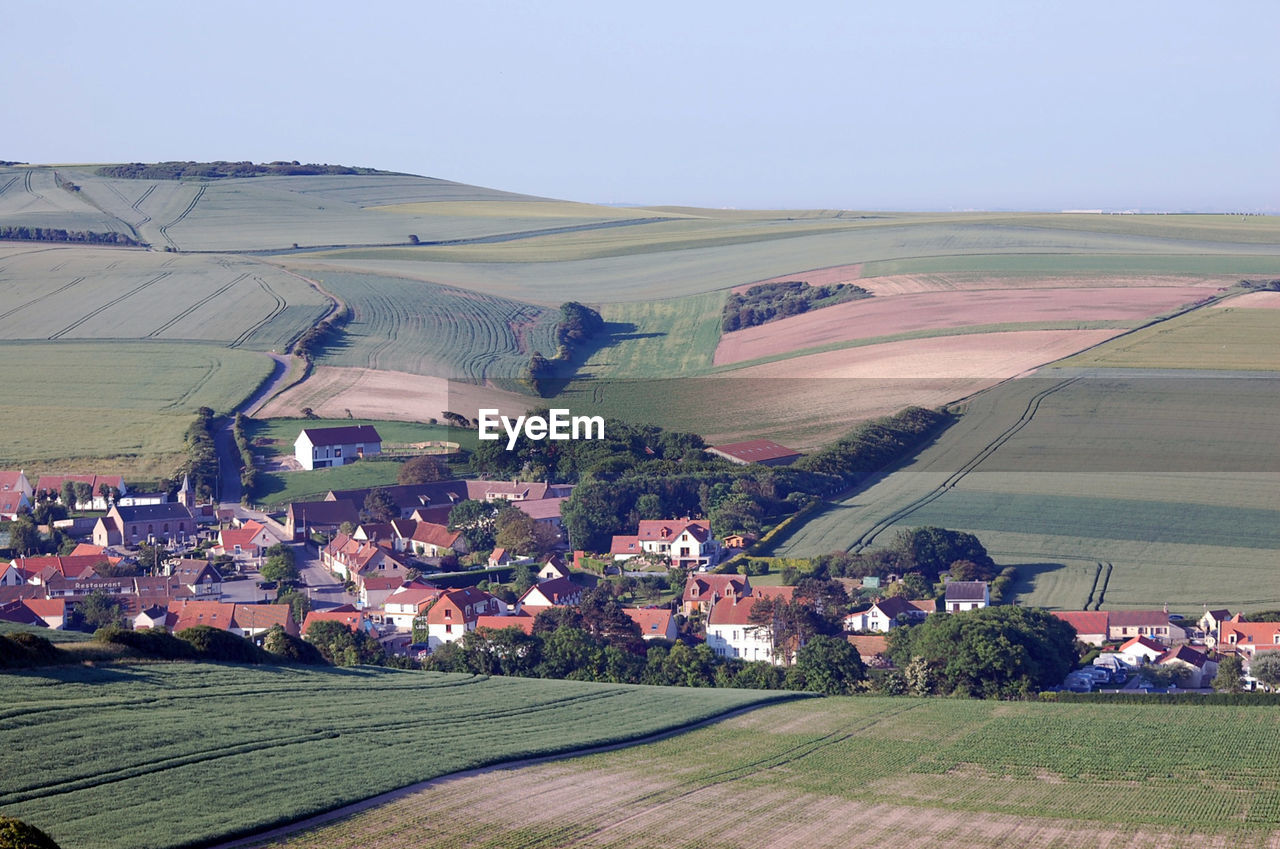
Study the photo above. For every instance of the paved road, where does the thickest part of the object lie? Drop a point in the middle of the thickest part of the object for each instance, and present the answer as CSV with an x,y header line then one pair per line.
x,y
225,443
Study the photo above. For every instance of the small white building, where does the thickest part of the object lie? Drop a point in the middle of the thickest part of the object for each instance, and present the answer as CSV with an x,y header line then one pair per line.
x,y
967,595
888,613
324,447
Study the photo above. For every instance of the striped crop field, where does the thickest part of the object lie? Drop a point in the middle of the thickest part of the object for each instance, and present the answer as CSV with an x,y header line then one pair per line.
x,y
1172,482
121,407
867,771
66,293
128,754
420,328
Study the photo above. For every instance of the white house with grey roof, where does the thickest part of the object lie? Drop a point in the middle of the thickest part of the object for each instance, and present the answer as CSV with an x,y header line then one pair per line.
x,y
324,447
967,595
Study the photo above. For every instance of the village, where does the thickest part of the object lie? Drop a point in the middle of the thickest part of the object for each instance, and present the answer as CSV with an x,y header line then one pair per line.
x,y
400,579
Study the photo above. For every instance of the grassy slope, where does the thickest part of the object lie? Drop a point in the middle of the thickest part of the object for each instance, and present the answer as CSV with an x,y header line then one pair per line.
x,y
1229,338
283,743
867,771
114,406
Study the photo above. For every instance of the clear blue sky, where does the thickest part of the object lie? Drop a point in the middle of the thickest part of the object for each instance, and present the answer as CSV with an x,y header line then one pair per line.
x,y
926,105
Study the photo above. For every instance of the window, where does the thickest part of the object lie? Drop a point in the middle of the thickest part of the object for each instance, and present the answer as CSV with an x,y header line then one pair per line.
x,y
448,629
337,452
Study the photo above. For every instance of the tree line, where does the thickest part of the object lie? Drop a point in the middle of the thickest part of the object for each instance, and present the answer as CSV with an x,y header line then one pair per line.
x,y
58,234
221,169
577,325
767,302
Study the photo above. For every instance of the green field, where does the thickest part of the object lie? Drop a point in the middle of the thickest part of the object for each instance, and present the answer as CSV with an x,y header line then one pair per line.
x,y
276,436
870,771
1174,482
421,328
661,338
116,293
177,754
1231,338
115,406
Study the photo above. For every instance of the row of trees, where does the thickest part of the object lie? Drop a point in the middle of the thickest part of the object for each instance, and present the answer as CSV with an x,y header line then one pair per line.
x,y
771,301
221,169
577,325
202,454
58,234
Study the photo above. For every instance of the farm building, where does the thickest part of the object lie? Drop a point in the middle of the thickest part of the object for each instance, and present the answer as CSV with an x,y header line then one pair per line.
x,y
323,447
1090,625
52,484
763,451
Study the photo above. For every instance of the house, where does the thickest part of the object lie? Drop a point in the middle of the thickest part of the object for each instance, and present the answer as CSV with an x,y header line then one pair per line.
x,y
1246,638
685,543
730,632
874,650
1200,670
19,614
376,531
323,447
247,542
344,556
11,575
52,486
455,613
51,611
1123,624
1139,650
406,604
252,620
432,540
888,613
656,623
558,592
375,589
545,511
307,517
766,452
499,557
185,613
553,567
523,621
392,564
198,576
967,595
152,616
15,495
625,547
1090,625
151,522
1210,622
40,570
703,591
346,615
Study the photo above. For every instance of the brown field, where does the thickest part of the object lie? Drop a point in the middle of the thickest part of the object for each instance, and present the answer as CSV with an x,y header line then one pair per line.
x,y
333,391
980,358
908,284
889,316
1253,301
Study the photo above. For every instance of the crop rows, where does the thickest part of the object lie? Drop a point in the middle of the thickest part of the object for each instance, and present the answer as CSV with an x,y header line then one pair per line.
x,y
421,328
324,737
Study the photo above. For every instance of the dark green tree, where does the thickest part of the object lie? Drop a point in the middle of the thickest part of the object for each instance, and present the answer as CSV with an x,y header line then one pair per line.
x,y
100,610
24,537
422,469
1230,673
829,665
379,506
16,834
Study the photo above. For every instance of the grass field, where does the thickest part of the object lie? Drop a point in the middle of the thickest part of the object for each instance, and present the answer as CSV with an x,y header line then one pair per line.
x,y
864,771
277,435
113,293
1231,338
661,338
420,328
1173,482
117,407
128,754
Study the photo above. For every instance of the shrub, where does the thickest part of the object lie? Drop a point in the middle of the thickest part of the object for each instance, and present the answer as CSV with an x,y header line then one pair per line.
x,y
284,645
149,642
39,649
16,834
214,644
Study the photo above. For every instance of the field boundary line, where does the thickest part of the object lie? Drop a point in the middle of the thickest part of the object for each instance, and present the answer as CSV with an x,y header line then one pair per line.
x,y
310,822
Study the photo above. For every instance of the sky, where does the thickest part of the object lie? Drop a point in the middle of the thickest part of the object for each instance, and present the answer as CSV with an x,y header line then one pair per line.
x,y
1159,106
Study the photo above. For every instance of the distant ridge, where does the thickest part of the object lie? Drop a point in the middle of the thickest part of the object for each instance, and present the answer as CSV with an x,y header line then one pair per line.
x,y
222,169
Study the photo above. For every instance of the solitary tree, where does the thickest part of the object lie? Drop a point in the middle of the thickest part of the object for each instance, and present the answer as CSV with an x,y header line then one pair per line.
x,y
1230,671
100,610
1265,666
24,538
423,469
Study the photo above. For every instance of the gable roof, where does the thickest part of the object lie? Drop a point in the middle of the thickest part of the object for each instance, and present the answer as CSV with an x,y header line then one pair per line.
x,y
753,451
53,483
1084,621
556,591
1249,633
1137,618
732,611
171,511
255,617
967,591
413,594
869,646
344,435
542,508
520,620
653,621
217,614
625,545
353,619
328,512
702,587
658,530
784,593
429,533
1142,642
1185,654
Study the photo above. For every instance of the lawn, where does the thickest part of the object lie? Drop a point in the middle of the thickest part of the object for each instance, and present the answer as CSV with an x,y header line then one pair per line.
x,y
276,489
277,435
119,407
860,771
128,754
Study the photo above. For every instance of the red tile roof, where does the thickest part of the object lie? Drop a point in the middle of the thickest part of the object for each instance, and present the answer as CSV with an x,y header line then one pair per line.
x,y
523,622
1084,621
1186,654
353,619
437,535
657,530
703,587
755,450
1134,642
625,545
1137,618
732,611
653,622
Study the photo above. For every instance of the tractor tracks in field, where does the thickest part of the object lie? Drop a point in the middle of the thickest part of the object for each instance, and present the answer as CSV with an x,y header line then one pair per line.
x,y
279,307
1028,413
6,186
34,301
87,316
164,228
197,305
